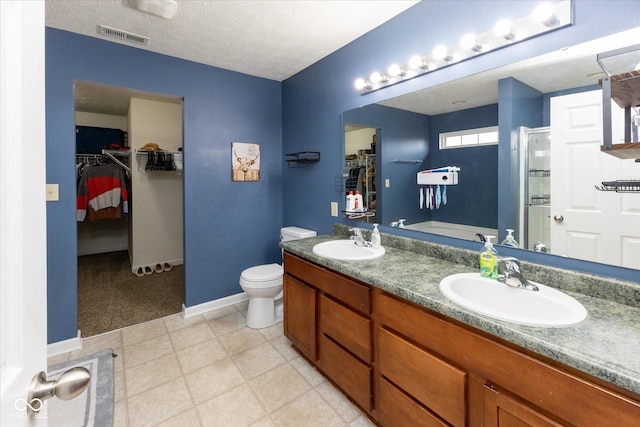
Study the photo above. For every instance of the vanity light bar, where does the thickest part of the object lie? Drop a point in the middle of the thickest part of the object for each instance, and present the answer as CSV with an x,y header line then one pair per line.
x,y
546,17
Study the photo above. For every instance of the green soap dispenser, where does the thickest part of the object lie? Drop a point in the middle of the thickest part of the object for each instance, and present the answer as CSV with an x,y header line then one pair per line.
x,y
489,260
509,240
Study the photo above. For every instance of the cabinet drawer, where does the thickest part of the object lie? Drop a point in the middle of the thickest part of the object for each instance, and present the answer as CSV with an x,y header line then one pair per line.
x,y
345,326
351,293
350,374
398,409
433,382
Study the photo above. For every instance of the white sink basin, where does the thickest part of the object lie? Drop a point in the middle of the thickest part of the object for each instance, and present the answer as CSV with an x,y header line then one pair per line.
x,y
547,307
346,250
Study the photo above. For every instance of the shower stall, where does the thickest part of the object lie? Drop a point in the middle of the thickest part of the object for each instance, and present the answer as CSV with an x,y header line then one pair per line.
x,y
535,189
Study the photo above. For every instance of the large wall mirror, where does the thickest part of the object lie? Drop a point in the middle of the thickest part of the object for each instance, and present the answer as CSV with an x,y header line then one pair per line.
x,y
522,182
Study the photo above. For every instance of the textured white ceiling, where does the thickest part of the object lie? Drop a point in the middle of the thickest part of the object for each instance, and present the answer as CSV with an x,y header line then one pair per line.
x,y
270,39
276,39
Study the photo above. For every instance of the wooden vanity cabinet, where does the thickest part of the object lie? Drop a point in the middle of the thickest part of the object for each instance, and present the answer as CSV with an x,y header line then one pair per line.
x,y
406,365
484,381
327,318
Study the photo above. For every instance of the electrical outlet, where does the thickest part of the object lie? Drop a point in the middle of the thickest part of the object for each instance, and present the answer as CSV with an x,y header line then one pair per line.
x,y
334,208
387,183
52,193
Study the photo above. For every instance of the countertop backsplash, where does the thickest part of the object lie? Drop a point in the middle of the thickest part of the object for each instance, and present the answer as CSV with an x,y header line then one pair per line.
x,y
615,290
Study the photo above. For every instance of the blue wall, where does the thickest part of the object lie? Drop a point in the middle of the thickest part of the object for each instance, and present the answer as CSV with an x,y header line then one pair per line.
x,y
314,99
227,226
301,114
478,179
519,105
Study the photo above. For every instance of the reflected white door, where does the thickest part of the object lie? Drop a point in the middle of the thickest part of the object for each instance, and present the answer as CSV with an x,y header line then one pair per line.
x,y
590,224
23,303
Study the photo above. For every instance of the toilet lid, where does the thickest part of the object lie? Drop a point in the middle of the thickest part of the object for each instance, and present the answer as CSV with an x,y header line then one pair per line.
x,y
262,273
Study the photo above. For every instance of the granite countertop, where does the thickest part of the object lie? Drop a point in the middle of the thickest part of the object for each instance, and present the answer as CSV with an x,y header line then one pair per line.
x,y
606,346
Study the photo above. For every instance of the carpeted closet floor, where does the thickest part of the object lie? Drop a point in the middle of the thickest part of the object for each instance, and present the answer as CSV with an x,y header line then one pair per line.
x,y
111,297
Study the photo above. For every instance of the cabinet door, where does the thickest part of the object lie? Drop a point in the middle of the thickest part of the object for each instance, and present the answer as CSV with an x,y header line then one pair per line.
x,y
300,315
504,411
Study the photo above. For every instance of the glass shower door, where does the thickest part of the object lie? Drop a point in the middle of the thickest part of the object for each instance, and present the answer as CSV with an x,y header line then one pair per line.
x,y
537,164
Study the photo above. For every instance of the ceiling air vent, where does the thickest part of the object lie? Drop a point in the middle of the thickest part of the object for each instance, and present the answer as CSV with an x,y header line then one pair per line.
x,y
122,35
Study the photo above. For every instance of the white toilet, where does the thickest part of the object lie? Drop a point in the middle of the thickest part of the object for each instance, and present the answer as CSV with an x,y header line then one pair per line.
x,y
263,284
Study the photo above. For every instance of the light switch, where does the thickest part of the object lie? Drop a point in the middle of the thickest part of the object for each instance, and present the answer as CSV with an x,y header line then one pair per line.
x,y
334,208
52,193
386,183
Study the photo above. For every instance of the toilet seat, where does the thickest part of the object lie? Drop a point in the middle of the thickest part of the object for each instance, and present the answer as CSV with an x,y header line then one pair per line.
x,y
262,276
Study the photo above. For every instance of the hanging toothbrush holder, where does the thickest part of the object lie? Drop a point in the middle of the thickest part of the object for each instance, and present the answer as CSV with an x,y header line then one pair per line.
x,y
437,178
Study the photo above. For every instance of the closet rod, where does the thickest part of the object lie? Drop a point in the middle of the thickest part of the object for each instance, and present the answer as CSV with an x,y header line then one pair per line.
x,y
116,161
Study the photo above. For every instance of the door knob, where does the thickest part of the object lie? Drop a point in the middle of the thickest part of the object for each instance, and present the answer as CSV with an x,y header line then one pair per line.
x,y
558,218
70,384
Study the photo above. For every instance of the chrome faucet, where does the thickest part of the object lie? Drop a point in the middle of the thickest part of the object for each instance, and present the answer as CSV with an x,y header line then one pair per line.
x,y
357,237
512,275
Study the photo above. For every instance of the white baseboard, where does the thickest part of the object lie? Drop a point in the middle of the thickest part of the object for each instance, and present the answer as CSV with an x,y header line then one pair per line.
x,y
213,305
65,346
72,344
102,250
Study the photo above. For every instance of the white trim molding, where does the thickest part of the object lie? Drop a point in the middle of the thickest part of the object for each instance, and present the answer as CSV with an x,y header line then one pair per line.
x,y
213,305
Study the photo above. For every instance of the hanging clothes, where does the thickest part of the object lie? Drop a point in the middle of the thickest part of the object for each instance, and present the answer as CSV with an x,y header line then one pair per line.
x,y
102,192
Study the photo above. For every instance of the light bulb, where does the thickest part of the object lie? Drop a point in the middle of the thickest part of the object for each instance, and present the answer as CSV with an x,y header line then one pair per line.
x,y
503,29
544,13
415,62
469,41
376,78
361,84
441,52
395,70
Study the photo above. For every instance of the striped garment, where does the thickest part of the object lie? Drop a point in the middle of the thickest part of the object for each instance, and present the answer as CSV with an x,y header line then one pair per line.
x,y
102,187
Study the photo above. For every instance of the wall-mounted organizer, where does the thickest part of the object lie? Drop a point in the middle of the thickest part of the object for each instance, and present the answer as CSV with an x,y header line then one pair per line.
x,y
159,160
620,186
447,176
417,161
622,85
302,159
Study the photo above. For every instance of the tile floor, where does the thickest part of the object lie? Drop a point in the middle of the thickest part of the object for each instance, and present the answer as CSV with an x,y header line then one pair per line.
x,y
211,370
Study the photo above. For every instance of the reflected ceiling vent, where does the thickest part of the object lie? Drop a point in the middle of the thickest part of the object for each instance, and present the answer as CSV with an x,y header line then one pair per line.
x,y
122,35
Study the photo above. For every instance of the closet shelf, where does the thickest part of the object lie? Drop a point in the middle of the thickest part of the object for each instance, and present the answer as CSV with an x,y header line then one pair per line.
x,y
159,161
146,152
302,158
117,153
111,154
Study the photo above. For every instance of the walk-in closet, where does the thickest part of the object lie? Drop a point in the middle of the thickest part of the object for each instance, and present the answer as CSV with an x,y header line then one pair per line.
x,y
129,206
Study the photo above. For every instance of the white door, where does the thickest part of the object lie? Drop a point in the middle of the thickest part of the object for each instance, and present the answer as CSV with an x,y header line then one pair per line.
x,y
591,225
23,303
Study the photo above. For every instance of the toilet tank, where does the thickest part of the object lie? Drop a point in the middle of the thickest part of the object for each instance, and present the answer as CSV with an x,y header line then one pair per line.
x,y
294,233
